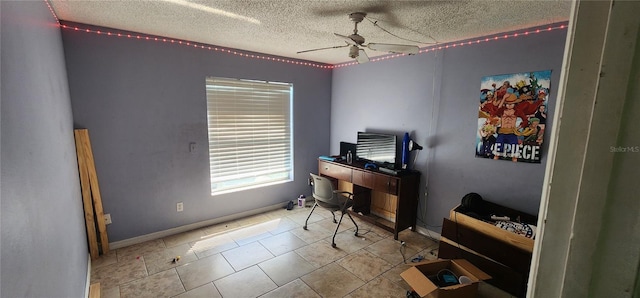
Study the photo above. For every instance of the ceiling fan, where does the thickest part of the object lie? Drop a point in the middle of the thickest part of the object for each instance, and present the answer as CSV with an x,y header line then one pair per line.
x,y
356,44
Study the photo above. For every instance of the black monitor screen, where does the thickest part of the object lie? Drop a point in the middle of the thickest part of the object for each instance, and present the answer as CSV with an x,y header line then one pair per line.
x,y
377,147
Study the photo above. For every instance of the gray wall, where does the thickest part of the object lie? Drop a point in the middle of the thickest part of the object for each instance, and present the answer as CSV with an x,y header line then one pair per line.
x,y
144,102
435,97
44,246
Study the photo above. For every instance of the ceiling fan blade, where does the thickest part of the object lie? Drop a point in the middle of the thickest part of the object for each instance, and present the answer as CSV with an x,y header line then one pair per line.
x,y
327,48
347,39
362,57
394,48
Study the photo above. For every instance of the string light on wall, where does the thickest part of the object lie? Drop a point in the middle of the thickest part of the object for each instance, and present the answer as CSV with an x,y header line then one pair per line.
x,y
195,45
463,43
52,12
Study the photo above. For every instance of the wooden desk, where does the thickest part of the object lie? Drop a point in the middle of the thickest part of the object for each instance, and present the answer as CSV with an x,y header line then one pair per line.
x,y
388,201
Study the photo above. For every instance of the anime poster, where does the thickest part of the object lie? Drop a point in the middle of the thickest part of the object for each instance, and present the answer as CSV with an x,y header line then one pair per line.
x,y
512,116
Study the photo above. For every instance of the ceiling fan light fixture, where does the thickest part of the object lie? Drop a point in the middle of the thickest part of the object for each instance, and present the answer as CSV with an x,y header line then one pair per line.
x,y
354,51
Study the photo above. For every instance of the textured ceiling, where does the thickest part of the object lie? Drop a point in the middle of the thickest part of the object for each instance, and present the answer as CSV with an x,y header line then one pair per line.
x,y
285,27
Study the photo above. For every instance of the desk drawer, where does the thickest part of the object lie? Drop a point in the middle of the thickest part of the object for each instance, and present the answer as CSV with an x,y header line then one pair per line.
x,y
386,184
335,171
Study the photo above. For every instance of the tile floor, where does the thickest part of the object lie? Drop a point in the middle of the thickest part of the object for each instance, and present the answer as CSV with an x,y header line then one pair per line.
x,y
268,255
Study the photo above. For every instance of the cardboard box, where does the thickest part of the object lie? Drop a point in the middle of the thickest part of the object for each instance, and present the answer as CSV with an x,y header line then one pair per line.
x,y
421,277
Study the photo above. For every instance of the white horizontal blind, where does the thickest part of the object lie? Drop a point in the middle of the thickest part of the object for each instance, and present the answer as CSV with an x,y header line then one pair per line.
x,y
250,133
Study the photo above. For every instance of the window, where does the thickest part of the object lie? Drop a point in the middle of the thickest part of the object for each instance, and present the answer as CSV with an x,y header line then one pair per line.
x,y
250,133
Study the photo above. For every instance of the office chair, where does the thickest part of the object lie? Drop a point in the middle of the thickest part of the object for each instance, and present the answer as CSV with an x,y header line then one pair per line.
x,y
333,200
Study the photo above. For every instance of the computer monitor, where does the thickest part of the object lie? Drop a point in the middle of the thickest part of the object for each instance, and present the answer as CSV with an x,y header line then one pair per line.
x,y
378,148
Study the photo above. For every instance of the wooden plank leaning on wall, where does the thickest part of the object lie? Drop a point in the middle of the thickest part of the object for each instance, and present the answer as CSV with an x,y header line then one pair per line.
x,y
92,201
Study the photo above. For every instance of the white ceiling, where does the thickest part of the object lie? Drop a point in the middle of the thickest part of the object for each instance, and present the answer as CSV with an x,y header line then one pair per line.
x,y
283,28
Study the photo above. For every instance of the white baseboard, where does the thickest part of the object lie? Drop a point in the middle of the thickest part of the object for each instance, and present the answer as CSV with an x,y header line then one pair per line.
x,y
88,281
435,236
193,226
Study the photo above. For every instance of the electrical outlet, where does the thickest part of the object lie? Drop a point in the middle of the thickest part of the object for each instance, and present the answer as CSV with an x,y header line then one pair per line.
x,y
179,207
192,147
107,219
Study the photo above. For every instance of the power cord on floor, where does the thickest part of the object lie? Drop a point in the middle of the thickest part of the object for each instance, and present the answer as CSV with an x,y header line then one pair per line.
x,y
418,258
403,246
362,227
429,233
365,232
